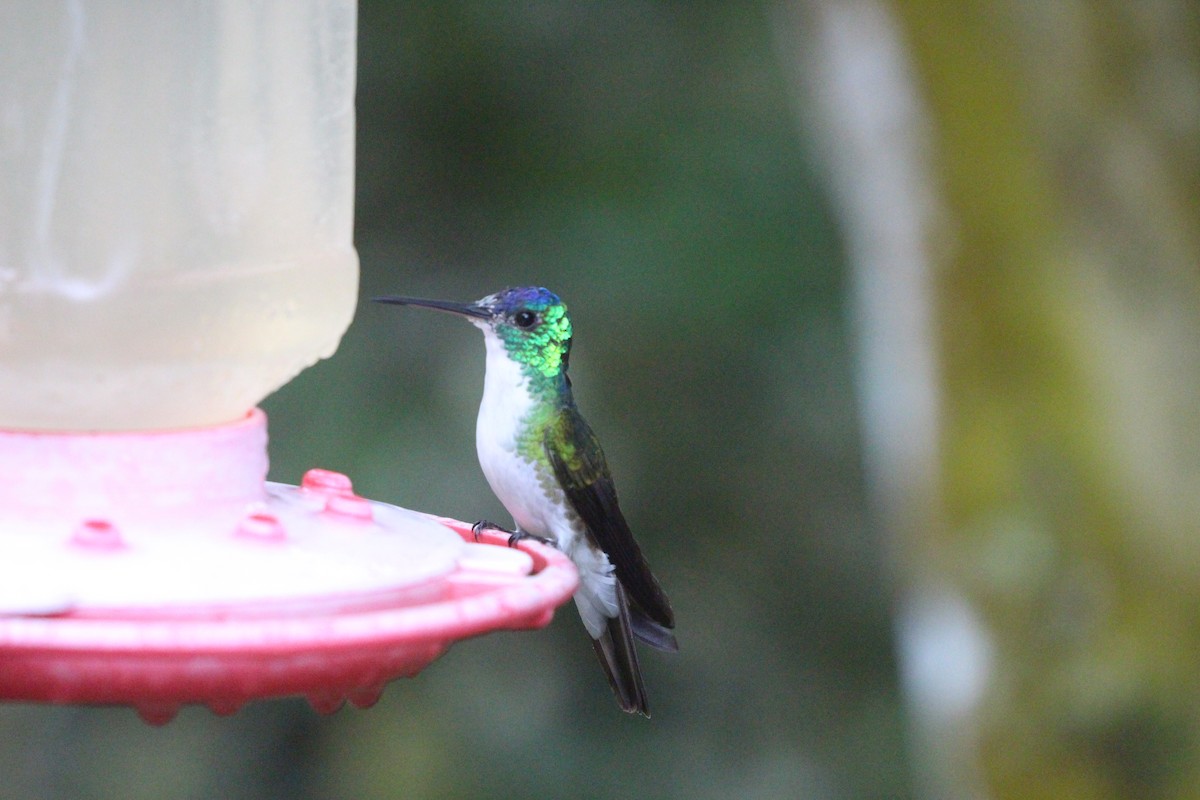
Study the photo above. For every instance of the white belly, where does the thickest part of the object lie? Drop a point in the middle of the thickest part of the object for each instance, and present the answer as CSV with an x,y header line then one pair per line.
x,y
516,483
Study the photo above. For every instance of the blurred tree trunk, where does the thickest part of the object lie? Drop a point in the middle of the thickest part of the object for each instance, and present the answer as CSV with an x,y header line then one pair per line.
x,y
1068,150
1064,150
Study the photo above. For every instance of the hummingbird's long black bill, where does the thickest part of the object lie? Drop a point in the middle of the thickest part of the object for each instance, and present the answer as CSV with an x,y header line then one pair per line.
x,y
449,306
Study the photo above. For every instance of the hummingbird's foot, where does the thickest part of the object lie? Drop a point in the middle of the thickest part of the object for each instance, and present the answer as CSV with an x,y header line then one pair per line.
x,y
513,536
520,535
485,525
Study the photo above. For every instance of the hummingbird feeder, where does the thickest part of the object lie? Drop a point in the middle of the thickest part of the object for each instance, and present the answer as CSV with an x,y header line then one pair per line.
x,y
176,244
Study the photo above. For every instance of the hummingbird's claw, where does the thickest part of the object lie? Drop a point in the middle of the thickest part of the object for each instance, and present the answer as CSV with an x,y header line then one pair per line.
x,y
517,536
485,525
513,536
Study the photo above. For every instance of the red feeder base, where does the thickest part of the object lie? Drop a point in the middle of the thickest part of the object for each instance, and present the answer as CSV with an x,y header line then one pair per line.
x,y
220,593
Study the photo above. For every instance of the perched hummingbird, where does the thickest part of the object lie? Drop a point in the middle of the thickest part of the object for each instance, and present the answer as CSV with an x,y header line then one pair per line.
x,y
546,466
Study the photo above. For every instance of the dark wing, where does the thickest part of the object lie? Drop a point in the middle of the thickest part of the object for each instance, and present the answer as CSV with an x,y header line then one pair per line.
x,y
582,472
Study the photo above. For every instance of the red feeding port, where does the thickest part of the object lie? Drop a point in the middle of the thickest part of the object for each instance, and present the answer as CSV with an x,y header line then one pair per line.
x,y
159,569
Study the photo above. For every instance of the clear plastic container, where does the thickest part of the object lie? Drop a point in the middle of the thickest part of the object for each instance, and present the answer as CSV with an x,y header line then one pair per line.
x,y
176,206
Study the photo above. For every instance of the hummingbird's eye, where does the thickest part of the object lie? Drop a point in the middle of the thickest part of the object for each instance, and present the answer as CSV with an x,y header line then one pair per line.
x,y
525,319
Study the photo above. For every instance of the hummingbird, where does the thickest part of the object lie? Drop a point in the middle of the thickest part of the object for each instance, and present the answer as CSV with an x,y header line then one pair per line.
x,y
545,465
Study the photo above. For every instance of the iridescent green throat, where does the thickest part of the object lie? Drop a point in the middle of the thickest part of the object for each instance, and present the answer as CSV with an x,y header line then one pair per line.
x,y
543,355
543,352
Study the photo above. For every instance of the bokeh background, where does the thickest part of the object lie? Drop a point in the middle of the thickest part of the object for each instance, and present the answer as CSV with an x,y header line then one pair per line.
x,y
886,315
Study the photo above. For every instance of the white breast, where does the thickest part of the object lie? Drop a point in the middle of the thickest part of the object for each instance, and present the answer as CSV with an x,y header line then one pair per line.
x,y
506,403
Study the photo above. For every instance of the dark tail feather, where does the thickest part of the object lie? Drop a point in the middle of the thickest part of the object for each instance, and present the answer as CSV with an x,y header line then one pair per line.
x,y
652,633
618,656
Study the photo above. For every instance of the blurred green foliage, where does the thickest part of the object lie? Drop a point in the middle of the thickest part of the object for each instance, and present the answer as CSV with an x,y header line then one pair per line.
x,y
643,160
